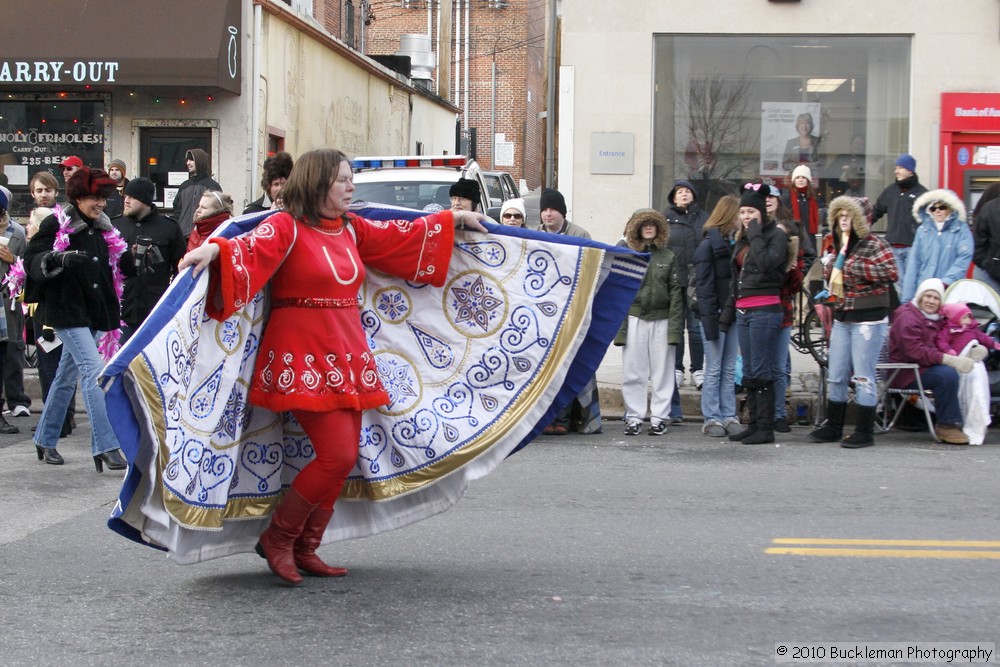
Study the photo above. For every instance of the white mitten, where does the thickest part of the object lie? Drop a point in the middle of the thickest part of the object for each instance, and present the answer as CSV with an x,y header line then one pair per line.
x,y
960,364
978,353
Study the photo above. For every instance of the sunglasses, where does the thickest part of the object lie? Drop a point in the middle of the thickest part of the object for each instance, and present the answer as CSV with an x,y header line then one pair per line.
x,y
938,207
513,216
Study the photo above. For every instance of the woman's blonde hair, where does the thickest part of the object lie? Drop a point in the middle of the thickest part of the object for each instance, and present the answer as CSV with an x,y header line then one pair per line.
x,y
724,216
220,201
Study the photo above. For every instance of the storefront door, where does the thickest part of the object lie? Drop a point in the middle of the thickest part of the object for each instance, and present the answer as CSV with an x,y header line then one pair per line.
x,y
161,154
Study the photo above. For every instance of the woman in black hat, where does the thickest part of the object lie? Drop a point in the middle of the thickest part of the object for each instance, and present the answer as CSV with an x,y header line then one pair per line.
x,y
73,273
760,260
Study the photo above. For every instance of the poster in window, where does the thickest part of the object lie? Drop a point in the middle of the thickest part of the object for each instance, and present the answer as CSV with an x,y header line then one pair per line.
x,y
789,136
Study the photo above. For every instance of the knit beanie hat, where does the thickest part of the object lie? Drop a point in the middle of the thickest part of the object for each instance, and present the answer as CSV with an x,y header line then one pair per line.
x,y
4,198
517,204
465,188
142,189
907,162
802,170
755,196
955,312
117,163
930,284
552,198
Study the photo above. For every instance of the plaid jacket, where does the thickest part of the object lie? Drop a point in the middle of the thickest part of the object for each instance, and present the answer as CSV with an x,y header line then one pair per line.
x,y
869,273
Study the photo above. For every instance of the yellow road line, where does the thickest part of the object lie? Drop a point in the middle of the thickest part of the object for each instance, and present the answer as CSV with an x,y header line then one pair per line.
x,y
888,543
885,553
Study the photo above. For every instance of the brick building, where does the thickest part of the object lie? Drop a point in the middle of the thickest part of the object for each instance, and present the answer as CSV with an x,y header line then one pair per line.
x,y
507,34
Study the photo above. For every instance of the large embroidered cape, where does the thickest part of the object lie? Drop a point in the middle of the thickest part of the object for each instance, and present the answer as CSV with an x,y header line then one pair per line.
x,y
474,371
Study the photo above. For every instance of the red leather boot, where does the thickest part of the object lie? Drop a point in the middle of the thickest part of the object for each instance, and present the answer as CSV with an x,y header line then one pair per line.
x,y
276,544
307,543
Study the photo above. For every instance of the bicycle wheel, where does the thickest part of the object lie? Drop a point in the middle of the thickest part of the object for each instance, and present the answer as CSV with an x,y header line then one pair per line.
x,y
815,338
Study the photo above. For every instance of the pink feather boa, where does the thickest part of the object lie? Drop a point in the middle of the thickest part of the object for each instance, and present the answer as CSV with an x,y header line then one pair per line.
x,y
107,345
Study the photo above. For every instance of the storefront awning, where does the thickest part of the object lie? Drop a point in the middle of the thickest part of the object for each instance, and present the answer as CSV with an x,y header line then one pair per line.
x,y
105,44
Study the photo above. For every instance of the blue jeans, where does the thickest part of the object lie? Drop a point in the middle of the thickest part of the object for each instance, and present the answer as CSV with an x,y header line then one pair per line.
x,y
854,350
694,337
943,381
718,394
781,371
80,360
759,331
982,276
900,255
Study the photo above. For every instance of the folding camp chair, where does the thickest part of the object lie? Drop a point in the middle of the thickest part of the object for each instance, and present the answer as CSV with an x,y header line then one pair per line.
x,y
892,400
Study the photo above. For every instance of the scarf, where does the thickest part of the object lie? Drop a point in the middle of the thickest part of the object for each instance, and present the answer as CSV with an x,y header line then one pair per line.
x,y
812,222
107,345
206,226
837,274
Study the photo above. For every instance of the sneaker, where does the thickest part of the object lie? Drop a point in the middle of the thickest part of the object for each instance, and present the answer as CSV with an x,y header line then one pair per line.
x,y
732,426
21,411
699,379
679,377
632,428
659,428
714,429
781,425
679,419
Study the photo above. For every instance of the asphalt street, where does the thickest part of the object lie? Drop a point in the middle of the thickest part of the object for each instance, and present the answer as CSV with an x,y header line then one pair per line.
x,y
579,550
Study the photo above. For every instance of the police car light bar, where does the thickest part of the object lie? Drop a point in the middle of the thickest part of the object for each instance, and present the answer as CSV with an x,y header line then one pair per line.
x,y
457,161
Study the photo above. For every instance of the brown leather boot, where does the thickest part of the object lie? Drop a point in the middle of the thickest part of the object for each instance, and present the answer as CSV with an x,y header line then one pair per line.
x,y
951,434
310,539
277,542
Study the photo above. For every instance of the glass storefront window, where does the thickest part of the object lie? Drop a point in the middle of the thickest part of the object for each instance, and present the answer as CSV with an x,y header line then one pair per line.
x,y
732,108
37,135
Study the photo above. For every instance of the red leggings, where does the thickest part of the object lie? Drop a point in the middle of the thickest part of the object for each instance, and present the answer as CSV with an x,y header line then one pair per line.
x,y
334,437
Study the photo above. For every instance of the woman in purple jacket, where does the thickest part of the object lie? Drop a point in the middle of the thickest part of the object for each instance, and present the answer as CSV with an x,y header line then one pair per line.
x,y
912,337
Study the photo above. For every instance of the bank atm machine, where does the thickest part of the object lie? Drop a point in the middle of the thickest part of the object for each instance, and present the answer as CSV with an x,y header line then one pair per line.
x,y
970,144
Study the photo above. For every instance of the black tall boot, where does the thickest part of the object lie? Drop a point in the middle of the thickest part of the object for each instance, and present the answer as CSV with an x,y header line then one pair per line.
x,y
864,431
832,428
765,415
751,387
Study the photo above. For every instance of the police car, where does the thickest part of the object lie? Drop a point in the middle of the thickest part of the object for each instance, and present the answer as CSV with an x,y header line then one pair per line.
x,y
418,181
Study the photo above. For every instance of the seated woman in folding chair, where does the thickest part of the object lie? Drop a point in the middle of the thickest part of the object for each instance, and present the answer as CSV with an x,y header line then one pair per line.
x,y
912,339
861,272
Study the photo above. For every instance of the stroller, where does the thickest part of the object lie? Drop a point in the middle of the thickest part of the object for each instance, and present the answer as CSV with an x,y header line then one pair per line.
x,y
984,302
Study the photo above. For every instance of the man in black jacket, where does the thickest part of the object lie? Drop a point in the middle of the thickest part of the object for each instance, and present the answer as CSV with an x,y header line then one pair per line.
x,y
896,203
156,244
190,192
276,171
686,219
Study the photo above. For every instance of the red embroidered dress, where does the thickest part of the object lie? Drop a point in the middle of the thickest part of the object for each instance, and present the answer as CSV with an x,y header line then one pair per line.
x,y
314,354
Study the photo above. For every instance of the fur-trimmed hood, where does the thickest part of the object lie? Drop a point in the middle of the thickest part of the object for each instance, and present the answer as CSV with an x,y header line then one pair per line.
x,y
921,214
633,229
858,219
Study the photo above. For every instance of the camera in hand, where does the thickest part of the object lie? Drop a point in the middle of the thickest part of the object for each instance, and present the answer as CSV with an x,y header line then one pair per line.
x,y
146,253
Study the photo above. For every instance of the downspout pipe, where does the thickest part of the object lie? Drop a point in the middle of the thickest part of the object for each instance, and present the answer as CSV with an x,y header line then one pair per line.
x,y
255,130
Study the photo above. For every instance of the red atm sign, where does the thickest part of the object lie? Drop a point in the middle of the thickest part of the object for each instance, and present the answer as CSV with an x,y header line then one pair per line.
x,y
970,112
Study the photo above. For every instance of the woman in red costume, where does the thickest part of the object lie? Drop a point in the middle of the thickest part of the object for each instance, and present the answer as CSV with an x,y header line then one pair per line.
x,y
314,359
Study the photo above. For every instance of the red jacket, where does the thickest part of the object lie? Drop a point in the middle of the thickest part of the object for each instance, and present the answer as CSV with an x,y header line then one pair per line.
x,y
913,339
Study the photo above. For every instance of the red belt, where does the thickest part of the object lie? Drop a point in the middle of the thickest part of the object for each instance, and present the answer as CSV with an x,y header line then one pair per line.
x,y
310,302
